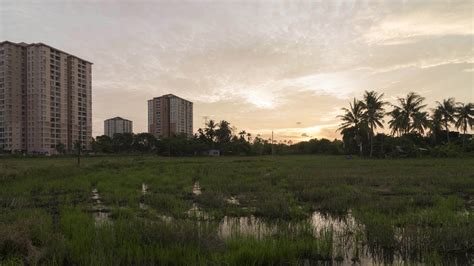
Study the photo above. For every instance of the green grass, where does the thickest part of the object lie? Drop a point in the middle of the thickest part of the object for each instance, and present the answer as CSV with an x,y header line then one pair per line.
x,y
411,210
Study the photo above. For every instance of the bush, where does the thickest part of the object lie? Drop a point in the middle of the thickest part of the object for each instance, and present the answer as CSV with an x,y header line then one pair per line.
x,y
447,150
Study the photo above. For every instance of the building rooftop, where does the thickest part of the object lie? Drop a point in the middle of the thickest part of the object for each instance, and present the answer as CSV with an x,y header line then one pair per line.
x,y
170,95
42,44
117,118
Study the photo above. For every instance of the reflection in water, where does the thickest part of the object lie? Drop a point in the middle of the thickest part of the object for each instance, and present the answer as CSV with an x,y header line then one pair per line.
x,y
101,213
254,226
196,189
343,230
244,226
165,218
321,221
233,201
142,204
197,213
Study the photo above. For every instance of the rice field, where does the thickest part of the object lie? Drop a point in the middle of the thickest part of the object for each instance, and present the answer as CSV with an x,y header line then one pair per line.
x,y
297,210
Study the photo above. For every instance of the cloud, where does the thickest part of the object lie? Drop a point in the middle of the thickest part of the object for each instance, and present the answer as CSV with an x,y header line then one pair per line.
x,y
411,25
286,66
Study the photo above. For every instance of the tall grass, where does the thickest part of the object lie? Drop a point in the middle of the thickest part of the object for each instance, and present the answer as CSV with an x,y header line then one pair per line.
x,y
411,210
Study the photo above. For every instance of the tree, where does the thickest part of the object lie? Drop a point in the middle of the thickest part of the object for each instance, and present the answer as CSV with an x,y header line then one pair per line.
x,y
447,109
435,125
224,132
421,121
122,142
144,142
407,114
353,116
373,114
102,144
210,130
60,148
398,122
353,121
242,135
464,119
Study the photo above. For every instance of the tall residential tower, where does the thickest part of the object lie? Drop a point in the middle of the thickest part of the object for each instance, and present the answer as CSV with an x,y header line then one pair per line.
x,y
45,99
117,125
170,115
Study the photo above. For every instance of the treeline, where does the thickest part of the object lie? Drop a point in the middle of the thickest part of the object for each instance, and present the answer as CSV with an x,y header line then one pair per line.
x,y
219,136
415,130
201,144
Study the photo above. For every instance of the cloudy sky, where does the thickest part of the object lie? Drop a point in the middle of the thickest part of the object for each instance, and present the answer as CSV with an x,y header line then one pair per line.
x,y
284,66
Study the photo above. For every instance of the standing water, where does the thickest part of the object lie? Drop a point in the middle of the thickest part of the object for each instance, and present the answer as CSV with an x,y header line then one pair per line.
x,y
142,204
100,212
196,189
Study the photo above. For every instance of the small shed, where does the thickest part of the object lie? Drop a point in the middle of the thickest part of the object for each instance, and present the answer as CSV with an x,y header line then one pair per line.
x,y
214,153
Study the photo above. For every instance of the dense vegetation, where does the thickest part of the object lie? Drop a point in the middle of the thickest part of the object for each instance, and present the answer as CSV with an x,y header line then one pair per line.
x,y
410,210
413,129
414,133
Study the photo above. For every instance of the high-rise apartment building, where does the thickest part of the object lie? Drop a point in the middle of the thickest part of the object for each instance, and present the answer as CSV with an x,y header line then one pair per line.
x,y
170,115
45,99
117,125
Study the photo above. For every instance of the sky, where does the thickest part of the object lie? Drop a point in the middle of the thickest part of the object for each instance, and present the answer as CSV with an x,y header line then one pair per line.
x,y
282,66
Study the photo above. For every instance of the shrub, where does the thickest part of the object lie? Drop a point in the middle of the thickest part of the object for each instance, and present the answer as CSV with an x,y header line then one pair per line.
x,y
447,150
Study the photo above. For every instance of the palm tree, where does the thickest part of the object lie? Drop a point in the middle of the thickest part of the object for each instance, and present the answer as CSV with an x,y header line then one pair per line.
x,y
436,124
249,137
421,121
210,130
464,118
353,118
447,109
397,123
406,115
242,134
373,114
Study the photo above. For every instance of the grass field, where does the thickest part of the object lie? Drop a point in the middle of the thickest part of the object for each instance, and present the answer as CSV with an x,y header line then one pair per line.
x,y
236,210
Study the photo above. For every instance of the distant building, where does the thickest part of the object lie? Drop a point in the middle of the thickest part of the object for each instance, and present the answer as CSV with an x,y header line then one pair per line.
x,y
117,125
45,99
170,115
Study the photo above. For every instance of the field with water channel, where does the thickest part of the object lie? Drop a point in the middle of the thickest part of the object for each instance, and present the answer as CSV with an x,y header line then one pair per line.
x,y
236,210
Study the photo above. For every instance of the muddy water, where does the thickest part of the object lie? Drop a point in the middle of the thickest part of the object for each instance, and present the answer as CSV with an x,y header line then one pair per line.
x,y
100,212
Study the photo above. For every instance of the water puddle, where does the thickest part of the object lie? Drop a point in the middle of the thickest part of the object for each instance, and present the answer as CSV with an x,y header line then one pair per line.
x,y
196,189
165,218
233,201
142,204
257,227
100,212
196,213
245,226
320,221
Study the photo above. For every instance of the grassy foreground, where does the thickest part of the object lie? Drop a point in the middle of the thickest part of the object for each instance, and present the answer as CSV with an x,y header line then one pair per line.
x,y
407,210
